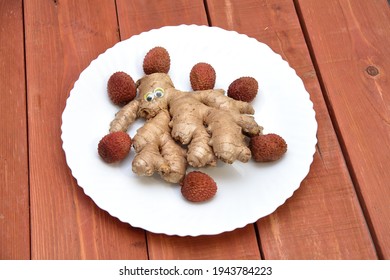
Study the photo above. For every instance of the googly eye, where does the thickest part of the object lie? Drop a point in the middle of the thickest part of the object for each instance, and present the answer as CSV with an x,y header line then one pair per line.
x,y
149,96
159,92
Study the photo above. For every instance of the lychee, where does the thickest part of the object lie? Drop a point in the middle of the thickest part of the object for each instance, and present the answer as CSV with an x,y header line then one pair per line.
x,y
114,147
157,60
198,187
268,147
243,89
121,88
202,76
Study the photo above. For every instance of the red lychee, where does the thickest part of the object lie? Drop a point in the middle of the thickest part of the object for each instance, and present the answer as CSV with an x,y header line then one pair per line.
x,y
198,187
202,76
268,147
243,89
157,60
121,88
114,147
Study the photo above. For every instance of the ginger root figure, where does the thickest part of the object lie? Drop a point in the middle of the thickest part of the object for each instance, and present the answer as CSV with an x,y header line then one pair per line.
x,y
182,128
210,124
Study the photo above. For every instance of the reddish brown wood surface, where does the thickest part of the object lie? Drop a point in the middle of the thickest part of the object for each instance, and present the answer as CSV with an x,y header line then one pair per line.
x,y
353,57
62,37
240,244
14,198
323,219
339,49
136,17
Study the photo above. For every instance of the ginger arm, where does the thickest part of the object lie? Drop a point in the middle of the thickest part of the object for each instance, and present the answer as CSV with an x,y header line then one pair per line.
x,y
125,117
248,124
216,98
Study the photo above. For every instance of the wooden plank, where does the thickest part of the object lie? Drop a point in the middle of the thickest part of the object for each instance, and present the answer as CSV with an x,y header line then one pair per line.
x,y
241,242
62,37
323,219
135,17
14,198
350,41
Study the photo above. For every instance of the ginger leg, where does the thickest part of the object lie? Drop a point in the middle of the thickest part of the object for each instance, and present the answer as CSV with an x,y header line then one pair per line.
x,y
157,151
200,152
184,123
175,157
165,156
188,128
187,116
148,161
227,139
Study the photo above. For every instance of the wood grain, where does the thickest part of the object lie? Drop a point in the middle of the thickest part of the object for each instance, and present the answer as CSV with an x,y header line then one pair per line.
x,y
344,68
14,197
138,16
241,243
353,58
323,219
62,37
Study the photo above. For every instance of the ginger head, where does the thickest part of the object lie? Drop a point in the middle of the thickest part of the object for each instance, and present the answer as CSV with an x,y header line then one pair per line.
x,y
153,94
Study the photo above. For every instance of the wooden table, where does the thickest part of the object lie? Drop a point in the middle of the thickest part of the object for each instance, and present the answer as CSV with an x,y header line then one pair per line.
x,y
340,48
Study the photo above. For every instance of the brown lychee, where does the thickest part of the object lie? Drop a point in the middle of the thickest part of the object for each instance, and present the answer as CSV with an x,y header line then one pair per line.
x,y
157,60
243,89
198,187
268,147
121,88
114,147
202,76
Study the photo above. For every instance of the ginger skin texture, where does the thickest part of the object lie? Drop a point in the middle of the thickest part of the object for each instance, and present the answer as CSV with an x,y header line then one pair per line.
x,y
157,151
209,124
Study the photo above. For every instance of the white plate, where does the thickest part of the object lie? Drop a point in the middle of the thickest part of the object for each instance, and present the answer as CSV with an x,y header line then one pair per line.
x,y
246,192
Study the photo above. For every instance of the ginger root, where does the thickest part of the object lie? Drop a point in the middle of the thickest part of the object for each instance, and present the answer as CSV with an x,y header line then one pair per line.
x,y
208,123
